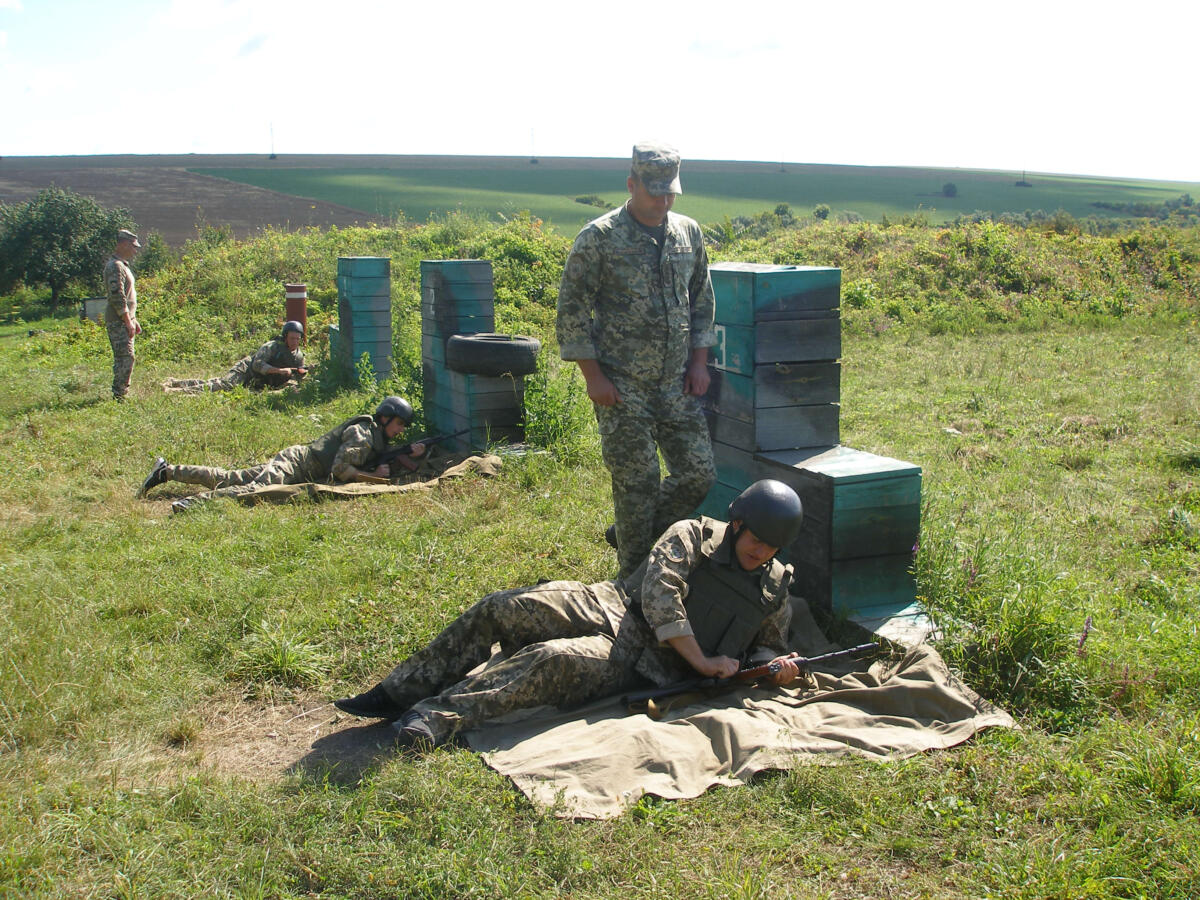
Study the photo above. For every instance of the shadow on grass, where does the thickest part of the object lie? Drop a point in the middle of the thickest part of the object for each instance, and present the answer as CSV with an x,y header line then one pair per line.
x,y
345,757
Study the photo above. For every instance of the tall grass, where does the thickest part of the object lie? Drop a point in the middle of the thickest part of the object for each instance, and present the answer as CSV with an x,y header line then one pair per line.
x,y
1058,556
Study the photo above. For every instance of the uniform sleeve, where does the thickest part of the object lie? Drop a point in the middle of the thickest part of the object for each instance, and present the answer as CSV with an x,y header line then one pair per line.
x,y
115,285
262,360
700,293
355,451
577,297
665,587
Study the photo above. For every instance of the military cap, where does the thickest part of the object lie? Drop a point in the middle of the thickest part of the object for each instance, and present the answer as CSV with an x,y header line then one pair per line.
x,y
126,235
657,167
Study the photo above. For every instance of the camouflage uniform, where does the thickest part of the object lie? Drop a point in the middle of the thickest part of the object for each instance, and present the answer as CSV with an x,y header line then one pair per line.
x,y
639,309
349,446
122,298
565,642
250,371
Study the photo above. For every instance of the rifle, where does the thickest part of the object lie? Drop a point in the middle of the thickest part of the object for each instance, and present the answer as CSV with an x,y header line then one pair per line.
x,y
400,454
643,700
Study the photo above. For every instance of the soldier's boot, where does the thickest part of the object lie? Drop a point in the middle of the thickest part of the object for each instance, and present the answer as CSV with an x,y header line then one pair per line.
x,y
374,704
414,733
610,535
158,474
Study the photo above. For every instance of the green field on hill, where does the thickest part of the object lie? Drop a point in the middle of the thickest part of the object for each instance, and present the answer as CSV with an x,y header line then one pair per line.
x,y
713,190
165,678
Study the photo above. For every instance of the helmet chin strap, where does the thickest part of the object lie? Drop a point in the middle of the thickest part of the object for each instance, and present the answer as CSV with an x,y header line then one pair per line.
x,y
733,539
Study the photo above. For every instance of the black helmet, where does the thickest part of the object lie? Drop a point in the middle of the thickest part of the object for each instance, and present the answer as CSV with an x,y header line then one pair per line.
x,y
770,509
395,406
292,325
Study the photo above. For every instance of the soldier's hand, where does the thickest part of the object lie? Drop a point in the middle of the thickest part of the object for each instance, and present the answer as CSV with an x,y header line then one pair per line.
x,y
787,672
696,379
383,470
418,450
718,667
602,391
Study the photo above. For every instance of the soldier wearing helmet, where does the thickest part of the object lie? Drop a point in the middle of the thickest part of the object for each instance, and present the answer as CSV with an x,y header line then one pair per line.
x,y
346,453
276,364
709,597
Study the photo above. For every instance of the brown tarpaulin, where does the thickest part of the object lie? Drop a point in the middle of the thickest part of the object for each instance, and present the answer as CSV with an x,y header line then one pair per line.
x,y
427,476
594,762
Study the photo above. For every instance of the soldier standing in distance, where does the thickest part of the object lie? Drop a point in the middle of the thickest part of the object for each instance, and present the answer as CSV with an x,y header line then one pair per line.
x,y
120,316
635,311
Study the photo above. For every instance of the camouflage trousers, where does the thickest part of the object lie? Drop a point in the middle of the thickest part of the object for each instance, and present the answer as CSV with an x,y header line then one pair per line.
x,y
292,465
239,374
649,419
122,347
563,643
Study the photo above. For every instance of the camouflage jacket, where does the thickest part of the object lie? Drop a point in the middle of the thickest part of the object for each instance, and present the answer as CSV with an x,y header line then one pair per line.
x,y
637,308
273,354
660,585
119,283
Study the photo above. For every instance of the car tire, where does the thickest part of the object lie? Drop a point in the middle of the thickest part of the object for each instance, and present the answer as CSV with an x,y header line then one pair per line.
x,y
492,354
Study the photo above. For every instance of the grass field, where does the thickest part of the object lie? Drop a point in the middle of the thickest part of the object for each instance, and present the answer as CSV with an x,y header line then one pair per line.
x,y
163,675
712,190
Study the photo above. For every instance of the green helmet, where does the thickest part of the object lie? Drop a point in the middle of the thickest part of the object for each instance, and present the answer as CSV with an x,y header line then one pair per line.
x,y
770,509
290,326
394,406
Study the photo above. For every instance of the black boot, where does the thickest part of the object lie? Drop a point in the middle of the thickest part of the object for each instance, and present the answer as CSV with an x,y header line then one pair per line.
x,y
158,474
413,732
374,704
610,535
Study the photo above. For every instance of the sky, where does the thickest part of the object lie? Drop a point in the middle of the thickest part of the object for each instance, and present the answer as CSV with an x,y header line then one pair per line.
x,y
1096,88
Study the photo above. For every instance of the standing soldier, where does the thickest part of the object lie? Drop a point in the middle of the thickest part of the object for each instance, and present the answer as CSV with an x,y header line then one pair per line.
x,y
275,364
635,311
120,316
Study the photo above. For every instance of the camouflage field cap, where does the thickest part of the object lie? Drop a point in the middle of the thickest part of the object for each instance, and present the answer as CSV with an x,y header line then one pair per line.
x,y
657,167
126,235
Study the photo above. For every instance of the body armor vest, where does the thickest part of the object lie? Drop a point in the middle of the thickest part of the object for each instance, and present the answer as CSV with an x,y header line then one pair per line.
x,y
324,449
726,605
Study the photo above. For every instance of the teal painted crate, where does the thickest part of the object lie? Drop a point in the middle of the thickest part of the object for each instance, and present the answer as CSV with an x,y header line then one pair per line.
x,y
354,287
457,271
740,348
364,266
779,428
449,324
753,292
794,384
467,292
858,584
433,303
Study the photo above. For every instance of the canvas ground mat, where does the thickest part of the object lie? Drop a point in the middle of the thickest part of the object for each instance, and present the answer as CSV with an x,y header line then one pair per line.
x,y
596,761
427,476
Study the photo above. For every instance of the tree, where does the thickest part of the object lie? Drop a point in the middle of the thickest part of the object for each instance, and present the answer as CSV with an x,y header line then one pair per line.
x,y
57,238
821,211
949,189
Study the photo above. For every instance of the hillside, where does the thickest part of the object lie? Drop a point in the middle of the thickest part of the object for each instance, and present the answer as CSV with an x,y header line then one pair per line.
x,y
173,195
166,727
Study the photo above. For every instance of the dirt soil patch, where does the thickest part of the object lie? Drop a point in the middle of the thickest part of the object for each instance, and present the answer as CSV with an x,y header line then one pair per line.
x,y
265,740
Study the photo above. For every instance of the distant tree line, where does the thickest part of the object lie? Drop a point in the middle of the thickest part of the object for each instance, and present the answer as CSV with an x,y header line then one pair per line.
x,y
60,240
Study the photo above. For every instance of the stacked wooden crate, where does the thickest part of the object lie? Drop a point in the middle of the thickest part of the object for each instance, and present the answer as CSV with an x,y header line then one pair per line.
x,y
364,314
773,410
458,298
